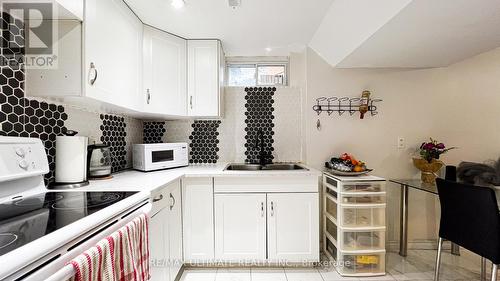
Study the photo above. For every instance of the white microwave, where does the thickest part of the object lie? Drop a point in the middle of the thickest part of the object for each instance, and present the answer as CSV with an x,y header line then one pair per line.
x,y
157,156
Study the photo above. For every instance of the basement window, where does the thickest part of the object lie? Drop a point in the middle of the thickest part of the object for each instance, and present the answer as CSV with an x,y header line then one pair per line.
x,y
257,74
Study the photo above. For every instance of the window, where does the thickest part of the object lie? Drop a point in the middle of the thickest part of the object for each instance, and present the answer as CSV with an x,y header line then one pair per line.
x,y
258,74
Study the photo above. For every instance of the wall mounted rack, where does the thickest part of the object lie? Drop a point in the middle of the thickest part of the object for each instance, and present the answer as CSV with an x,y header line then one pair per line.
x,y
342,105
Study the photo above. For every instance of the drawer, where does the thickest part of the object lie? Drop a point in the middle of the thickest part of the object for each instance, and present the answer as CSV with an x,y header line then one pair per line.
x,y
329,182
363,216
330,248
160,200
331,228
378,186
331,207
363,198
362,241
361,264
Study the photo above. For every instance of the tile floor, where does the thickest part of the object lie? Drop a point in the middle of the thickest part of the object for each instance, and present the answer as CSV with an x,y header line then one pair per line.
x,y
418,266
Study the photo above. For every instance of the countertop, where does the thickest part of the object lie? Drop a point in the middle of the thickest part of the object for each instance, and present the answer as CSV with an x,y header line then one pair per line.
x,y
132,180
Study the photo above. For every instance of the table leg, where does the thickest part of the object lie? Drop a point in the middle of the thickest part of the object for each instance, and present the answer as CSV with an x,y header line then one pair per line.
x,y
403,223
455,249
483,269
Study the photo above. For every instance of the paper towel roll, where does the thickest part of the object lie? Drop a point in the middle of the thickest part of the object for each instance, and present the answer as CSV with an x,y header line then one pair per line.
x,y
71,159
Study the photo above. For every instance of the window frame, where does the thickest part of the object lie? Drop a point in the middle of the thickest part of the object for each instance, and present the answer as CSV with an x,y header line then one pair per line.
x,y
256,65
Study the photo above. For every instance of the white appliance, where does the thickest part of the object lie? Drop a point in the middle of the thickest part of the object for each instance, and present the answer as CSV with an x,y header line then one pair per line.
x,y
157,156
41,230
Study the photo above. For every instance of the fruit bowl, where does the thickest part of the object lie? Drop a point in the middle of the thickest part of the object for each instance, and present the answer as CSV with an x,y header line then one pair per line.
x,y
346,165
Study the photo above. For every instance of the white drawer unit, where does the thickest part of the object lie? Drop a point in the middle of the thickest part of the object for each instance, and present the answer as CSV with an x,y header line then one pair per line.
x,y
354,224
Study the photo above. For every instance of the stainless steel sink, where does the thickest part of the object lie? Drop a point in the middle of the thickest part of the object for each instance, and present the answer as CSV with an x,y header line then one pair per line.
x,y
283,167
243,167
269,167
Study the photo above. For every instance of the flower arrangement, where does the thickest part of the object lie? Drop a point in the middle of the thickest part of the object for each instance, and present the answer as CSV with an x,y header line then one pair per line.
x,y
433,150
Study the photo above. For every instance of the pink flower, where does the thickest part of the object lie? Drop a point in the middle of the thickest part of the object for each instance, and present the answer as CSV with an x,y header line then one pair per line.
x,y
429,146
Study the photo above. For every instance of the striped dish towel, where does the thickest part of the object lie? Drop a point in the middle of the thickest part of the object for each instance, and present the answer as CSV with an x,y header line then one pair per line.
x,y
122,256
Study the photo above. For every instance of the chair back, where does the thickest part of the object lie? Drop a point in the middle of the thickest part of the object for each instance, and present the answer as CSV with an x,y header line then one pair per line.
x,y
470,218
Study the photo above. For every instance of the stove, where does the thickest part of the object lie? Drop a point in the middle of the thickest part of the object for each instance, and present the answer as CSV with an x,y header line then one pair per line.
x,y
26,219
40,229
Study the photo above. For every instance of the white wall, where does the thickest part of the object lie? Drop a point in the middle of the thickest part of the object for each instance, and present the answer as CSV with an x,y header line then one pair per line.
x,y
458,105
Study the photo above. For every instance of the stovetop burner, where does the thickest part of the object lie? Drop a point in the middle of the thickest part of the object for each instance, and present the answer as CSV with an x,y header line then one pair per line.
x,y
37,200
78,202
27,219
6,239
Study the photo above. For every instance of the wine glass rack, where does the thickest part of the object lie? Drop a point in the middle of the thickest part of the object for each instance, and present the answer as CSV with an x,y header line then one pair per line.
x,y
342,105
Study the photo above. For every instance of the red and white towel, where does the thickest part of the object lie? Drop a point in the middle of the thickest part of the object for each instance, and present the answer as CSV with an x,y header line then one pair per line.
x,y
123,256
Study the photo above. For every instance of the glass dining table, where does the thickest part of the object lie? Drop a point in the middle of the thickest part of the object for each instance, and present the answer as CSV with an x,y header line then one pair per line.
x,y
416,184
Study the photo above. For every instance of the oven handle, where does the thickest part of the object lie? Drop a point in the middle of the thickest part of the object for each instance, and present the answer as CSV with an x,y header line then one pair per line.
x,y
68,271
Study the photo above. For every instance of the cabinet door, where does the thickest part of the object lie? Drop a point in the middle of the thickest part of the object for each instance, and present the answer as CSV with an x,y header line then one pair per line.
x,y
293,227
198,222
158,239
165,73
203,78
240,227
175,229
113,46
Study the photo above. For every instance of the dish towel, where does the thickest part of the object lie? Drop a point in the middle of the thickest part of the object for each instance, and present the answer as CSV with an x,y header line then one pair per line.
x,y
122,256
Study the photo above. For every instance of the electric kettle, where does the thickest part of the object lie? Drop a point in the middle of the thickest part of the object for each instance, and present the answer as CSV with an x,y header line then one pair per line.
x,y
99,161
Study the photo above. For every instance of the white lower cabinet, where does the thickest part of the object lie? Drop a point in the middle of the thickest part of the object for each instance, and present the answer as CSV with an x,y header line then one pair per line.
x,y
158,231
251,219
175,230
293,227
198,222
165,233
289,221
240,227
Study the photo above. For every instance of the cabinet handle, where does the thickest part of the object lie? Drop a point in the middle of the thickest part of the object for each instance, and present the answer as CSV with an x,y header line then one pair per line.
x,y
272,209
191,102
159,198
92,67
148,96
262,209
173,201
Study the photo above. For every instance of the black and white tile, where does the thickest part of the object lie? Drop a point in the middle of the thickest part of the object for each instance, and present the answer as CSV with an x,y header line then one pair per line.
x,y
19,116
113,134
204,142
259,117
154,132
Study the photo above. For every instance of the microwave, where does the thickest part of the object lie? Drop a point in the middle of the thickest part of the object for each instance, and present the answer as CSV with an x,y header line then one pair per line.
x,y
157,156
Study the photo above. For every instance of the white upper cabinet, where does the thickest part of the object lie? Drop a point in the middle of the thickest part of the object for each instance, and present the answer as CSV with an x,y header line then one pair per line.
x,y
205,78
113,38
165,73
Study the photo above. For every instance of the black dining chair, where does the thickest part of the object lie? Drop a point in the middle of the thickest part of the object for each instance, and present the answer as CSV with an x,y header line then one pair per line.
x,y
469,218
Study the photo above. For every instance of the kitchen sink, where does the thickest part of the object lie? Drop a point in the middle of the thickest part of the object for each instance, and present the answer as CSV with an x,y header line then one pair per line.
x,y
269,167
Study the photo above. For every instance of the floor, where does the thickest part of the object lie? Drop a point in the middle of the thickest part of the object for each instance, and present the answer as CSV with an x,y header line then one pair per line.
x,y
418,266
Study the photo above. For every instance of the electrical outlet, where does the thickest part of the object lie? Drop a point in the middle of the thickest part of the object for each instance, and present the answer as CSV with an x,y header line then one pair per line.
x,y
401,143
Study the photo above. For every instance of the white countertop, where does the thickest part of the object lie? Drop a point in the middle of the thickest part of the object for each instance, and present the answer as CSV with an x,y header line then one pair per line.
x,y
131,180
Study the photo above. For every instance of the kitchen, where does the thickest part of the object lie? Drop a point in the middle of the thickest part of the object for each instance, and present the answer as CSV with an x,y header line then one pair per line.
x,y
220,132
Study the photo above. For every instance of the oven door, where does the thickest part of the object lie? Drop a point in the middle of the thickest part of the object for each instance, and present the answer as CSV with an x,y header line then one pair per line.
x,y
55,268
162,158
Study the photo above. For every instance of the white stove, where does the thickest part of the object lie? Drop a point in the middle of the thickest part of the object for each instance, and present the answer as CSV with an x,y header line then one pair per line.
x,y
41,230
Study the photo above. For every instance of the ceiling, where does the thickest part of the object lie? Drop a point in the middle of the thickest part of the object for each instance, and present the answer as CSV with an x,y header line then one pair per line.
x,y
257,28
430,33
407,34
